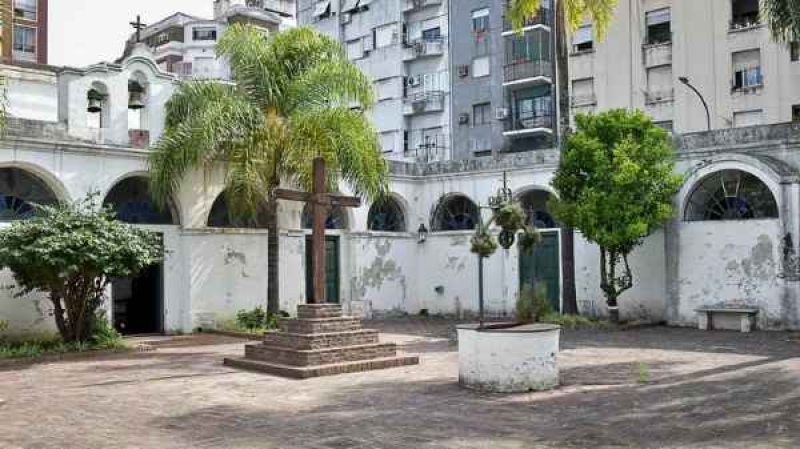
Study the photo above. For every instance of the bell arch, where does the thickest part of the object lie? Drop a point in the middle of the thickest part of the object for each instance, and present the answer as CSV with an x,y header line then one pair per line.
x,y
455,212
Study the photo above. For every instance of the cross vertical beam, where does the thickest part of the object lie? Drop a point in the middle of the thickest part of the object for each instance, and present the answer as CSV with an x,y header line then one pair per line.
x,y
318,232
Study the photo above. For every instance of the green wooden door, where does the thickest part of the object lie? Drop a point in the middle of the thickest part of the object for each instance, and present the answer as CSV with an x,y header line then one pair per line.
x,y
542,266
331,269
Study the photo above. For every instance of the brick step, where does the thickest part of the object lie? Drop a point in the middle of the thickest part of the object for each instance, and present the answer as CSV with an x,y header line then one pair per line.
x,y
298,357
319,311
319,325
305,372
320,341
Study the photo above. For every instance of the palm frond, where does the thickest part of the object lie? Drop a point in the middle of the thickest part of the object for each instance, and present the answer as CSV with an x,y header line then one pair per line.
x,y
337,82
600,12
255,69
783,19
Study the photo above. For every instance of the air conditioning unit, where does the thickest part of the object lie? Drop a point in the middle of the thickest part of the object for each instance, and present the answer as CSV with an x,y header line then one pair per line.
x,y
463,118
368,43
463,70
501,113
413,81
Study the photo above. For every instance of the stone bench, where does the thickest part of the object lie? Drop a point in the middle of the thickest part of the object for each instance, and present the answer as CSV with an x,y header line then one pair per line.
x,y
741,319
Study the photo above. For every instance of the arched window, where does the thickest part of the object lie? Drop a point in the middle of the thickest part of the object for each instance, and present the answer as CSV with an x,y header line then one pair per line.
x,y
19,192
730,195
455,213
386,215
221,216
336,218
534,203
131,200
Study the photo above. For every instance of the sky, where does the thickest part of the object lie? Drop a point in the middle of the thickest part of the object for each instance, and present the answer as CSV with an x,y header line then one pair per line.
x,y
83,32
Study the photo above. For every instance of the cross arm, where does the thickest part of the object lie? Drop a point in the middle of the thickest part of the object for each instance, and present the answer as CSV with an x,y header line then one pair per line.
x,y
292,195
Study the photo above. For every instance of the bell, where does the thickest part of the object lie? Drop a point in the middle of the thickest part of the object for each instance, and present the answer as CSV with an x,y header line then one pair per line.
x,y
95,102
135,96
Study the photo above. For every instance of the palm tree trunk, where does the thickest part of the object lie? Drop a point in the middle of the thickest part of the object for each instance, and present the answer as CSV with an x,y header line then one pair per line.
x,y
273,258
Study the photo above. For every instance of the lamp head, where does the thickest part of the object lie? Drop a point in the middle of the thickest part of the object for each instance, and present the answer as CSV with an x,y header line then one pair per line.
x,y
683,79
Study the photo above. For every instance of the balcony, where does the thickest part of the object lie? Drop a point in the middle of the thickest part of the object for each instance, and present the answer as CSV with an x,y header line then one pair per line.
x,y
544,18
657,54
282,7
423,102
528,72
525,125
415,5
744,23
424,47
659,96
426,148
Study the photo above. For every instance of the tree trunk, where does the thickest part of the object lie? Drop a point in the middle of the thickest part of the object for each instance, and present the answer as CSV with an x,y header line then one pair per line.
x,y
273,259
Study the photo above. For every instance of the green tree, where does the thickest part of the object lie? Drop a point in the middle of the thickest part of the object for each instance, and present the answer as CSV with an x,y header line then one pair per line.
x,y
615,184
296,96
71,252
569,12
783,19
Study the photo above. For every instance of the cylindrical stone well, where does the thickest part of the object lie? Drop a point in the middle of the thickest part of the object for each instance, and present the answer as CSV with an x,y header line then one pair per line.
x,y
508,358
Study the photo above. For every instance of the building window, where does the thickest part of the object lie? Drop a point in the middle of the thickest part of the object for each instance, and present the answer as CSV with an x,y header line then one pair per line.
x,y
204,34
355,49
480,21
796,113
666,125
481,114
480,67
222,217
455,213
432,34
747,118
583,40
533,108
794,51
385,89
583,92
747,69
25,9
24,43
386,215
384,35
322,10
337,218
744,13
19,191
730,195
537,212
658,26
388,141
659,84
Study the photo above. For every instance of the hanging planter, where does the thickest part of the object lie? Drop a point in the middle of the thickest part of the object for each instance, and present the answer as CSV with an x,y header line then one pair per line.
x,y
483,244
510,217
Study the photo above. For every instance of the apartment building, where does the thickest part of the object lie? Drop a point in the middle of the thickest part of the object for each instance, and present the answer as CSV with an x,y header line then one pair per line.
x,y
718,47
184,44
24,31
403,46
502,82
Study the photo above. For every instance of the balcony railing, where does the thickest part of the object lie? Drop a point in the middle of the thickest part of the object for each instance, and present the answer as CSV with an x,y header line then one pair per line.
x,y
545,17
425,148
525,69
423,47
744,22
658,96
413,5
530,122
423,102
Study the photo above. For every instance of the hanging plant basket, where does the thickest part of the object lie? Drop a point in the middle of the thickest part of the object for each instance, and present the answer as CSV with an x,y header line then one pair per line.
x,y
483,244
510,217
529,238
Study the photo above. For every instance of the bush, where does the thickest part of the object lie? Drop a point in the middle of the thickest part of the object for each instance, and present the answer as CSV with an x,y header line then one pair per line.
x,y
574,321
71,252
533,303
257,320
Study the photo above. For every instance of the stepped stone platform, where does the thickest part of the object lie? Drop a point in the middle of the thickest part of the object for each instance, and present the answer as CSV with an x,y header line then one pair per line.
x,y
320,342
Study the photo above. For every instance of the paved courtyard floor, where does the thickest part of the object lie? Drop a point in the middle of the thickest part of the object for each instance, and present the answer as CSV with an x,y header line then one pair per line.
x,y
647,388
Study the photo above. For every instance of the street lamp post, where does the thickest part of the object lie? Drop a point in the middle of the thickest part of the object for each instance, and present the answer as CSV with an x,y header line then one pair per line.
x,y
685,80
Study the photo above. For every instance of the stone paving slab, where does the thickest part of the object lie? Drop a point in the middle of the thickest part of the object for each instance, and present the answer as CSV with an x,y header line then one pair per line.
x,y
651,388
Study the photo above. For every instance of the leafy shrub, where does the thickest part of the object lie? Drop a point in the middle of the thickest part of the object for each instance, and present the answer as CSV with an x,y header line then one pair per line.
x,y
533,303
105,336
574,321
256,320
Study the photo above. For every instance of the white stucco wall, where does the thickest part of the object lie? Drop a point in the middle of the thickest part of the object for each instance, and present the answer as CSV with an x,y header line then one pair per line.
x,y
31,94
644,301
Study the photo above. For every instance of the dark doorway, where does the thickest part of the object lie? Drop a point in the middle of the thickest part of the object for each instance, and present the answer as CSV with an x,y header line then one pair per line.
x,y
541,267
331,269
138,303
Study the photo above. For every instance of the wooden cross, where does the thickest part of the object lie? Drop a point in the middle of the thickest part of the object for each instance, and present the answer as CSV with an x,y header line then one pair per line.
x,y
138,26
321,202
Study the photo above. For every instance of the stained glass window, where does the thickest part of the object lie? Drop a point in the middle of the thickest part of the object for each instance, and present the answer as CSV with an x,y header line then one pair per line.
x,y
19,191
730,195
386,215
455,213
131,200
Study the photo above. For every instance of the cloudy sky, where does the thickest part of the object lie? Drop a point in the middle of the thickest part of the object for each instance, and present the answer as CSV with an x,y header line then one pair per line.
x,y
83,32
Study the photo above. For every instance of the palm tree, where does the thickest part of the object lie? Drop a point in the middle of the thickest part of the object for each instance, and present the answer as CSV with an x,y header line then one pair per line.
x,y
569,12
295,96
783,19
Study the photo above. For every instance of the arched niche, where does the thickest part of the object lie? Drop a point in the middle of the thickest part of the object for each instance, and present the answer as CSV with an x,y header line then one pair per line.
x,y
537,213
455,212
20,192
730,194
222,217
131,200
387,215
336,220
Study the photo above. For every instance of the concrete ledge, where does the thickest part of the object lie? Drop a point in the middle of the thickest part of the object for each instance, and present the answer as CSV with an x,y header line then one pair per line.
x,y
306,372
